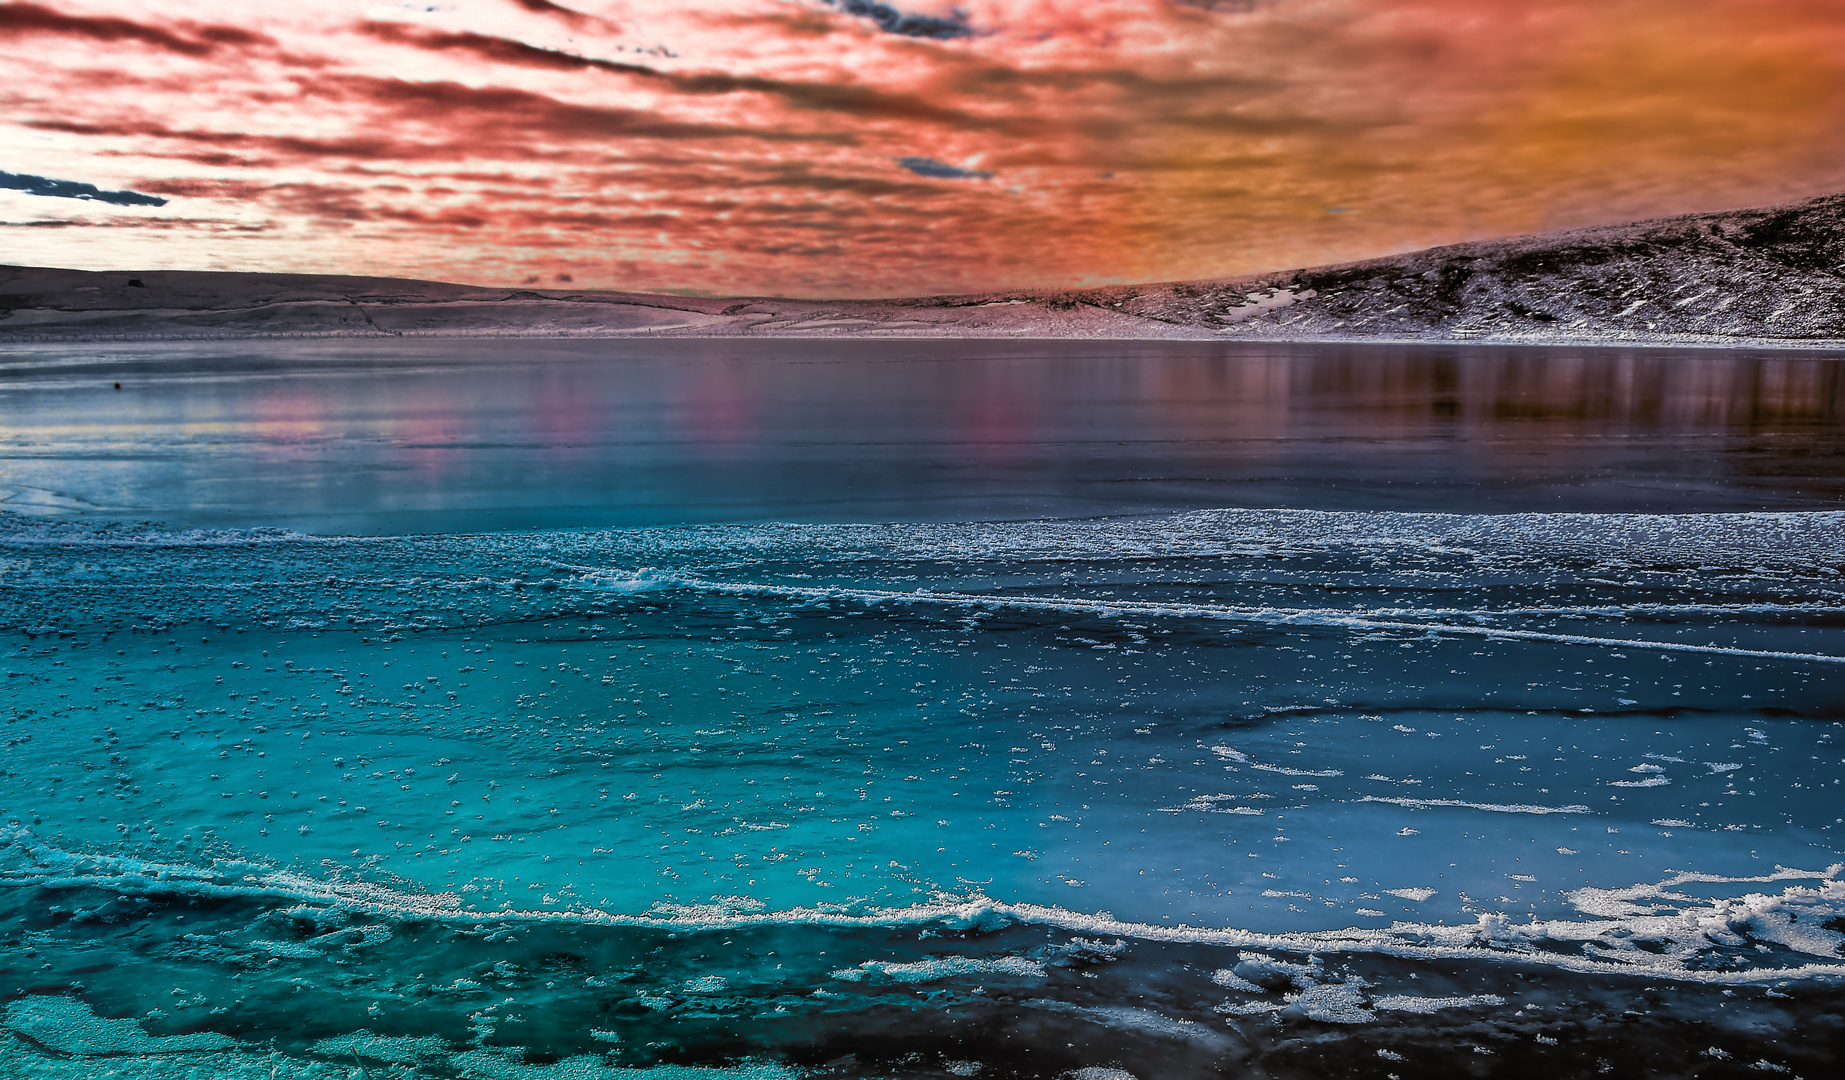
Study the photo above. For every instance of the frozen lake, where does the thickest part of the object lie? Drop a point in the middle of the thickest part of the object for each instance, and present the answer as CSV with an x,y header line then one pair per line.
x,y
441,436
740,709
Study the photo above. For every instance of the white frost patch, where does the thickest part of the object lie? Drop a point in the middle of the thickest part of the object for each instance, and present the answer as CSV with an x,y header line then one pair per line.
x,y
1497,808
1084,950
1212,804
1230,980
289,949
719,909
67,1026
509,1064
645,580
1795,918
1298,772
1414,1004
944,968
1266,971
1335,1003
1132,1019
1248,1008
396,1049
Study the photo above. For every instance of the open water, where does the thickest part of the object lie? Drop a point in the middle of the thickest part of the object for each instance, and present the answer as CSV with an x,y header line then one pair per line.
x,y
696,710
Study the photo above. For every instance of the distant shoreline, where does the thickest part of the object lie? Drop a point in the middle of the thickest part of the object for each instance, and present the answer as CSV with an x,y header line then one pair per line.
x,y
1663,343
652,335
1769,278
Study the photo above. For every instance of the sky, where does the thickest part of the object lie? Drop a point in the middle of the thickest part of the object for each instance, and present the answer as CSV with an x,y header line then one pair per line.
x,y
856,148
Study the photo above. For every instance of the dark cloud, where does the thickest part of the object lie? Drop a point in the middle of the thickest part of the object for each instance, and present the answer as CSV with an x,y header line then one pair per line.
x,y
242,190
892,21
559,11
804,250
941,170
188,39
799,176
501,50
73,189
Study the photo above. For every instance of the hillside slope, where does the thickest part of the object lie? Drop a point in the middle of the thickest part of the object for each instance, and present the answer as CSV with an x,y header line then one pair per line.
x,y
1776,273
1770,275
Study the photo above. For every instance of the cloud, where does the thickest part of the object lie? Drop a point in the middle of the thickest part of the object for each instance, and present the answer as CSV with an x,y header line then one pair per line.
x,y
828,146
846,98
240,190
558,11
892,21
19,20
73,189
941,170
499,49
800,176
461,123
502,114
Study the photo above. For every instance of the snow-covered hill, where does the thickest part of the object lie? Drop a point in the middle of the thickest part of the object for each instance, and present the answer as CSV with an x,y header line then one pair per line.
x,y
1776,273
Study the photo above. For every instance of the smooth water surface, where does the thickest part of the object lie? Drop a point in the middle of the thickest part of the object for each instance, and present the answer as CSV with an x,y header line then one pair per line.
x,y
750,750
470,435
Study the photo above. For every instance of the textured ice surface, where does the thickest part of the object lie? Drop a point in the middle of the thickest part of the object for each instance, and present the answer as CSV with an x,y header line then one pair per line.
x,y
838,799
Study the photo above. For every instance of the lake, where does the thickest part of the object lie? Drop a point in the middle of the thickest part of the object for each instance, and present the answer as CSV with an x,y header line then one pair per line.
x,y
436,436
744,709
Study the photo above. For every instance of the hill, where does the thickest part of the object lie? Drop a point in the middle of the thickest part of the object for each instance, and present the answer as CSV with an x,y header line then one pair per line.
x,y
1771,275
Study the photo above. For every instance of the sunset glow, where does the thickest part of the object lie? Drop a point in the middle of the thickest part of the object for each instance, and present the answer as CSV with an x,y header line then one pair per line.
x,y
804,147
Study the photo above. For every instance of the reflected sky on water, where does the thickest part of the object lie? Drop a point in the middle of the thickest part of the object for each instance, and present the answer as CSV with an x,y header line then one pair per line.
x,y
447,435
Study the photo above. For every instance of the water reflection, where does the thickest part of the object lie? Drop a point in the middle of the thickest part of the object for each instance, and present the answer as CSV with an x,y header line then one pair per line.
x,y
446,435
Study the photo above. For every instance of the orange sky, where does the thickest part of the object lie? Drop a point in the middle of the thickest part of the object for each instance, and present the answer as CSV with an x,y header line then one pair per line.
x,y
808,147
